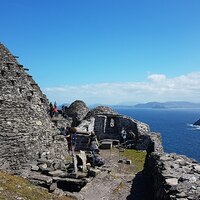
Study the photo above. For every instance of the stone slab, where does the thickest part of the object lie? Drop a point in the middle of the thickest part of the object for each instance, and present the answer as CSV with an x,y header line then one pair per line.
x,y
106,145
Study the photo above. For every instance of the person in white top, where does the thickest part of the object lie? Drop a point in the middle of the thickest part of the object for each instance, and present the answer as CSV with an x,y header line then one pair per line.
x,y
123,134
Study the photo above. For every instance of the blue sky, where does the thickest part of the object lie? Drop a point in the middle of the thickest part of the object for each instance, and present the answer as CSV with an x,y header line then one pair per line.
x,y
107,51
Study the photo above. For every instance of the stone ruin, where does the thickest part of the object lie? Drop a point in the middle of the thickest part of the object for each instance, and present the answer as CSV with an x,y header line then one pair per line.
x,y
29,137
107,124
26,130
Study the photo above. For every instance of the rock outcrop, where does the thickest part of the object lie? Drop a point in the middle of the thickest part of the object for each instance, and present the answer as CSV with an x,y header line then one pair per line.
x,y
197,123
26,130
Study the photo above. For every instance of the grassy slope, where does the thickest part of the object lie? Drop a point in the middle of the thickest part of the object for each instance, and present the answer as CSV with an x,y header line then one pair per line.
x,y
15,187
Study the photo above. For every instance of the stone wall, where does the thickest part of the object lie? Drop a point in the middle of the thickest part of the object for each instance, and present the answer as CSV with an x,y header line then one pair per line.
x,y
110,126
173,176
26,130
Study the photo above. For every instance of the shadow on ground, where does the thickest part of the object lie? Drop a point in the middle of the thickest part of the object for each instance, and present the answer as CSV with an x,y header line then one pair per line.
x,y
141,188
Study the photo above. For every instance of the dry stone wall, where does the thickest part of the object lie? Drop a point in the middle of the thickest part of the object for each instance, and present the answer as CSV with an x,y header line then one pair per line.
x,y
26,131
174,177
108,124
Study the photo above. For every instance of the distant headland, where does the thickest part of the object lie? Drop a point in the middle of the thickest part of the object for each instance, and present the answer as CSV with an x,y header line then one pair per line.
x,y
160,105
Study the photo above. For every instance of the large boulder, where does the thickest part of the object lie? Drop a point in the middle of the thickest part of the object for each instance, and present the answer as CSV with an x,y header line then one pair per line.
x,y
77,110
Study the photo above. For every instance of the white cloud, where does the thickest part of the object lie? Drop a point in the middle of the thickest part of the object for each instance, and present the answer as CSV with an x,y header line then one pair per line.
x,y
157,88
157,77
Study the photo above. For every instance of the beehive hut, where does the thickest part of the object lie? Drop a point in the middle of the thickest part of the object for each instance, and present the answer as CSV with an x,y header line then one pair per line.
x,y
26,130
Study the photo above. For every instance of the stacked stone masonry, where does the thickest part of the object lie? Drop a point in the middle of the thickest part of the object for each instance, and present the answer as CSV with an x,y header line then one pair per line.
x,y
174,177
26,130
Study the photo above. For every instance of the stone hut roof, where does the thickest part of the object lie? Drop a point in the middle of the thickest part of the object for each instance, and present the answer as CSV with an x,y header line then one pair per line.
x,y
101,110
25,126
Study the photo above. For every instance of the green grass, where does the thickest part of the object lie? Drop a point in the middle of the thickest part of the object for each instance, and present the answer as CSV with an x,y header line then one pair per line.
x,y
15,187
137,158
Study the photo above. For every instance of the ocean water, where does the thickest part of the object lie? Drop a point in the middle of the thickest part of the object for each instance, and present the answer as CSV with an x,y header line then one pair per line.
x,y
175,125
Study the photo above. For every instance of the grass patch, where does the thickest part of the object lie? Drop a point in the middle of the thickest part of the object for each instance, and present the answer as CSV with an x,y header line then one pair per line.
x,y
137,158
15,187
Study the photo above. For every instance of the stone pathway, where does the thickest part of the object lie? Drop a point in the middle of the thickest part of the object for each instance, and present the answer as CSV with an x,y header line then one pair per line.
x,y
107,187
116,182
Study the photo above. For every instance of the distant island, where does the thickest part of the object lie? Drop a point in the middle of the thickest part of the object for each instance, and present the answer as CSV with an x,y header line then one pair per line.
x,y
169,104
159,105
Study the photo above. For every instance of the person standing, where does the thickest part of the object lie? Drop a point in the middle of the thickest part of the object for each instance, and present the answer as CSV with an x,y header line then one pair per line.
x,y
68,137
51,109
93,143
73,138
124,134
55,110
